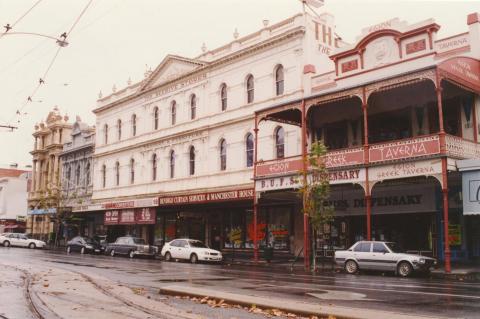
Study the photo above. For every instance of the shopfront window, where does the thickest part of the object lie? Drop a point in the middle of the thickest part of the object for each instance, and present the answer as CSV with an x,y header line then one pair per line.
x,y
278,228
234,225
170,226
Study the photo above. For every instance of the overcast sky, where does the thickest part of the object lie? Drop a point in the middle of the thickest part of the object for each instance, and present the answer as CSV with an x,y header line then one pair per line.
x,y
116,39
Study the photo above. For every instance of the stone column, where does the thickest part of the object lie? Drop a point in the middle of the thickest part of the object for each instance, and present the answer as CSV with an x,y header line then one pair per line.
x,y
34,178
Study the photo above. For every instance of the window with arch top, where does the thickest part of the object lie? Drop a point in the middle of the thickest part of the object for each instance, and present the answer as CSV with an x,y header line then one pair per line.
x,y
280,142
279,80
250,89
223,154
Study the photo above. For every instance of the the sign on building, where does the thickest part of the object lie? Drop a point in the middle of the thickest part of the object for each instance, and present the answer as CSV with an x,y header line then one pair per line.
x,y
207,197
130,216
134,203
464,70
405,170
415,147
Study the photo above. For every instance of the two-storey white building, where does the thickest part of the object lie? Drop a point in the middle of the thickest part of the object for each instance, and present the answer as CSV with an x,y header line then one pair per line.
x,y
174,153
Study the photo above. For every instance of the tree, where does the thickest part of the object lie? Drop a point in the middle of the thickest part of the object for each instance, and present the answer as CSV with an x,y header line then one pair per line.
x,y
315,191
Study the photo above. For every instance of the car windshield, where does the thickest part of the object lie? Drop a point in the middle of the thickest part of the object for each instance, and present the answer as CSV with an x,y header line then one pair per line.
x,y
393,247
197,244
139,241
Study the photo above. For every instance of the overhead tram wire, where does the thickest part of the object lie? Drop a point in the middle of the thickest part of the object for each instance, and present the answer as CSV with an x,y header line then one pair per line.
x,y
64,36
9,27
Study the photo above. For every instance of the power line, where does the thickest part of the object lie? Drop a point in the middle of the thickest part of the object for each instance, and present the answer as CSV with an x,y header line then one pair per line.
x,y
8,27
42,79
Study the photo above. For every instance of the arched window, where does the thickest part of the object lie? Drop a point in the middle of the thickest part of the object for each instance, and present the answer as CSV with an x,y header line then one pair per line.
x,y
134,125
250,89
192,160
132,171
249,149
173,111
119,129
223,154
105,133
172,164
280,142
279,78
155,118
193,106
77,175
154,167
87,175
117,173
223,96
104,175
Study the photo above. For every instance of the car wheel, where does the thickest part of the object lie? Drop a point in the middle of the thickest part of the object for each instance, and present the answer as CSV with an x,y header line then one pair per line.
x,y
82,250
69,249
6,243
404,269
351,267
168,257
131,254
32,246
112,252
193,258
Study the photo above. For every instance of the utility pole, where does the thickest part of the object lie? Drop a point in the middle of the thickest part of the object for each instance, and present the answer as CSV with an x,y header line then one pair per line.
x,y
10,127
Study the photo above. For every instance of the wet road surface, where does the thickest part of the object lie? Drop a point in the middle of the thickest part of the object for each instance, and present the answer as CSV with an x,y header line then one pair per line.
x,y
421,296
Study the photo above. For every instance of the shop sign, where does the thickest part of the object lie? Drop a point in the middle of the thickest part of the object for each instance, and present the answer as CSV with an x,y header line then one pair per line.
x,y
405,170
462,69
471,192
41,211
386,199
455,234
87,208
282,166
405,149
207,197
344,158
111,217
145,216
452,43
127,217
21,218
144,202
335,177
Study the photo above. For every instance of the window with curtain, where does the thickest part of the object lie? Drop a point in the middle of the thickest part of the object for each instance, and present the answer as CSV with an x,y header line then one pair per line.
x,y
279,80
193,106
154,167
172,164
223,96
280,142
250,89
249,149
132,171
223,154
104,176
173,110
119,129
117,173
192,160
155,118
134,125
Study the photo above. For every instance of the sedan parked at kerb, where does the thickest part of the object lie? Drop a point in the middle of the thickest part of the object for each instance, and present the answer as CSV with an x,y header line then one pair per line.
x,y
190,249
20,240
382,256
84,245
131,246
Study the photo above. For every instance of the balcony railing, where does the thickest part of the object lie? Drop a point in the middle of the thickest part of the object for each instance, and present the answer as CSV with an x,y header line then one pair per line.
x,y
386,152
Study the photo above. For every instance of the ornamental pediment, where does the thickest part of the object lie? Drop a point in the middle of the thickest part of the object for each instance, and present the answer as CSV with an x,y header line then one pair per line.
x,y
171,68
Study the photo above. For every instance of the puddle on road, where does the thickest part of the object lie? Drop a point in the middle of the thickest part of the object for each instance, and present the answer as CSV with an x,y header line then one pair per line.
x,y
78,264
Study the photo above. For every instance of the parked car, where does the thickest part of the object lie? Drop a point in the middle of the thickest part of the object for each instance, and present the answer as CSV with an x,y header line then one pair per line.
x,y
20,240
84,245
190,249
102,240
383,256
132,247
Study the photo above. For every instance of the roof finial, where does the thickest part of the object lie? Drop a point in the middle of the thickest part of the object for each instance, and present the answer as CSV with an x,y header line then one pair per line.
x,y
148,71
235,33
114,88
204,47
100,94
265,22
129,81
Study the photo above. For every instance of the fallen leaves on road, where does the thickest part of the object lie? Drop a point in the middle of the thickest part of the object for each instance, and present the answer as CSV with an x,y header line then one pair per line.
x,y
269,313
139,291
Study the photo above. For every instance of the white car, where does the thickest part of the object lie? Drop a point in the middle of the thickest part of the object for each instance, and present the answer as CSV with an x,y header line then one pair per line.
x,y
20,240
190,249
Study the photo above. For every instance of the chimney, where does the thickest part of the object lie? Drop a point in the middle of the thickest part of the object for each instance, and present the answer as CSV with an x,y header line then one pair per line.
x,y
473,22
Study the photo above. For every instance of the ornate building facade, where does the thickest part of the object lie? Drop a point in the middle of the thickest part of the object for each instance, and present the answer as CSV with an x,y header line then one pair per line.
x,y
175,152
77,171
43,197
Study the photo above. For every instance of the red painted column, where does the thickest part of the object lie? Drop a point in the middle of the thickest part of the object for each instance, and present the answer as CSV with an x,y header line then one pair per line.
x,y
306,226
443,151
368,197
474,120
255,201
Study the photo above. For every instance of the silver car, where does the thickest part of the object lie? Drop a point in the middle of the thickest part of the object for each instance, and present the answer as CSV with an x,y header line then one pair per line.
x,y
382,256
